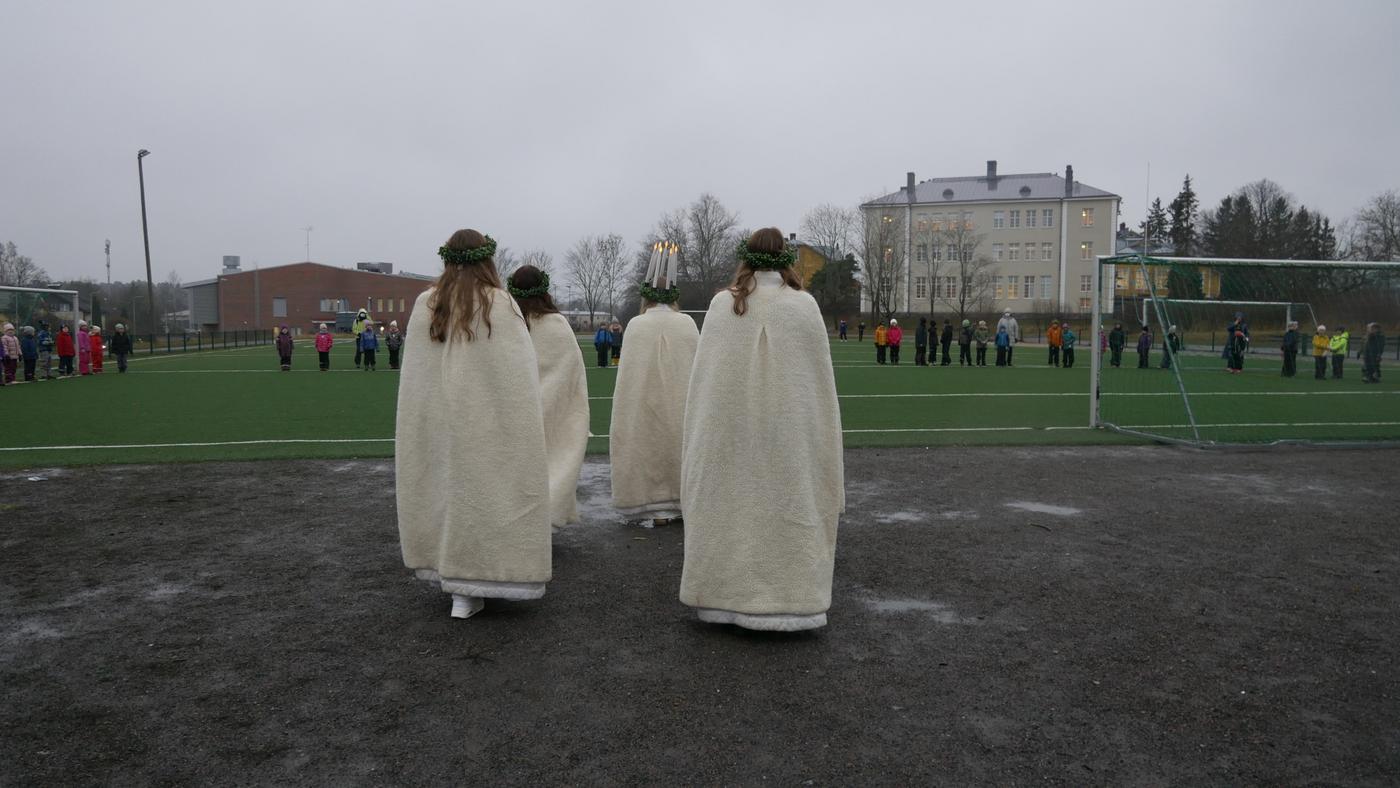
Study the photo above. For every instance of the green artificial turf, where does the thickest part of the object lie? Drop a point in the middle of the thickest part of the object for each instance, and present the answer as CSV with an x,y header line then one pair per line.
x,y
240,400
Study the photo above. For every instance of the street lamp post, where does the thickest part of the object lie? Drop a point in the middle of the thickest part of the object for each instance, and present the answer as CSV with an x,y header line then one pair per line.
x,y
146,237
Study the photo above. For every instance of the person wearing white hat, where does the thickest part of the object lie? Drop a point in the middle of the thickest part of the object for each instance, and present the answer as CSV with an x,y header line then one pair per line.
x,y
10,344
1013,333
1321,346
648,405
393,340
120,346
893,338
84,349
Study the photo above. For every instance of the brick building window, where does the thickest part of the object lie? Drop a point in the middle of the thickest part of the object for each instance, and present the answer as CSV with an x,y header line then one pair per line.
x,y
279,307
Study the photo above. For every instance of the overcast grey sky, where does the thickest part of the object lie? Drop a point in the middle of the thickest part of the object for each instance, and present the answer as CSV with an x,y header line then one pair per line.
x,y
386,126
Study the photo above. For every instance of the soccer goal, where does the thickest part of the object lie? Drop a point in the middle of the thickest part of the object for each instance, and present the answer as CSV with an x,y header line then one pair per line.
x,y
1209,351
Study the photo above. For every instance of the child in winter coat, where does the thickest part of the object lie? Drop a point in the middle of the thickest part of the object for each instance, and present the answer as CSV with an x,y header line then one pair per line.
x,y
393,340
84,342
324,341
95,337
65,352
1003,343
120,347
45,350
1371,354
1172,345
1144,347
29,350
11,349
894,337
284,348
1339,345
1067,341
602,342
982,336
1053,339
1116,340
880,334
369,344
1320,348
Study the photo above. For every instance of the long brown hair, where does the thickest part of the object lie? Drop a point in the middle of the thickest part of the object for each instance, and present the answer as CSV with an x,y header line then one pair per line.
x,y
527,277
462,289
770,240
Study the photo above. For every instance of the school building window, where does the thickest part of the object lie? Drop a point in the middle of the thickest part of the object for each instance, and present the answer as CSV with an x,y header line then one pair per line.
x,y
1049,216
951,282
1086,250
996,252
1030,218
1015,251
952,252
997,291
1045,286
998,219
380,307
1086,217
1047,251
1013,285
401,305
1028,291
1085,304
937,253
1086,284
279,307
938,287
920,287
967,220
1015,218
921,253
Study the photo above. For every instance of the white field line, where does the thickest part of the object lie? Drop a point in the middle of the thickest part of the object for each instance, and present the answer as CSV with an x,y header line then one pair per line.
x,y
1105,394
848,432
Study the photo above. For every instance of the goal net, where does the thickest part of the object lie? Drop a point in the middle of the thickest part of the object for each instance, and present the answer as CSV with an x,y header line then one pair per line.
x,y
1217,351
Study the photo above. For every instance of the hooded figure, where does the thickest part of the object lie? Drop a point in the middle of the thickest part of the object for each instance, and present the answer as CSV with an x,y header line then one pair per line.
x,y
95,337
66,350
1371,353
648,406
563,389
12,352
762,476
470,469
284,347
358,329
84,342
324,343
1013,333
120,346
393,341
893,337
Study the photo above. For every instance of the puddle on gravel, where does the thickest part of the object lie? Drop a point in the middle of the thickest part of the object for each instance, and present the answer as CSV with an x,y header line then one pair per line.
x,y
937,611
595,494
889,518
1044,508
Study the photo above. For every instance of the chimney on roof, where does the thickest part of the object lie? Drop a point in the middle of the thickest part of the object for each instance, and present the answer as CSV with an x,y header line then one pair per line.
x,y
792,237
1069,180
909,188
991,169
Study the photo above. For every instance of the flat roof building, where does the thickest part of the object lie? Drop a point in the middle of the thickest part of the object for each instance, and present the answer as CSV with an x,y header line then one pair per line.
x,y
301,296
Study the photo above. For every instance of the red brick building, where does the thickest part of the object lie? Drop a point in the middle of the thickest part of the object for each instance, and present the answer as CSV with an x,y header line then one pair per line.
x,y
300,295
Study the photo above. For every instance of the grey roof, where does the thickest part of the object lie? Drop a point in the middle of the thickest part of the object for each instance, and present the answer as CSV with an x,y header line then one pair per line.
x,y
979,188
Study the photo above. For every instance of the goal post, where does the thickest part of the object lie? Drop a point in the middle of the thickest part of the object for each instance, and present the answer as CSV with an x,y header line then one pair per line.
x,y
1246,351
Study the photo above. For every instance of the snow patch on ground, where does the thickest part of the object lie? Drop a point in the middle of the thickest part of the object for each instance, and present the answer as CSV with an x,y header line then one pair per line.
x,y
959,515
1044,508
166,591
943,614
595,494
31,630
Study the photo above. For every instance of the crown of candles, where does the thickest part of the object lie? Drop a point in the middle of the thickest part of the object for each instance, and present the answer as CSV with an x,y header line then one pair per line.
x,y
663,266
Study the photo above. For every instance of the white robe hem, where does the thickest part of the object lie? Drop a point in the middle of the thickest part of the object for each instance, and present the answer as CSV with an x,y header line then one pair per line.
x,y
487,589
770,622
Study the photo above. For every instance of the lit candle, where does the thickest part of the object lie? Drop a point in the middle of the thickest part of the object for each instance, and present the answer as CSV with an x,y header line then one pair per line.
x,y
654,262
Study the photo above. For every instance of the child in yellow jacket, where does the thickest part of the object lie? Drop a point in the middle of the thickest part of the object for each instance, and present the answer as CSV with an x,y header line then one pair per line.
x,y
1320,346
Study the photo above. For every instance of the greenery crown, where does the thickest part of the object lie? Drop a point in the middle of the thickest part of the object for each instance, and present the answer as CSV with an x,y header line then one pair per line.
x,y
765,260
670,295
538,290
468,256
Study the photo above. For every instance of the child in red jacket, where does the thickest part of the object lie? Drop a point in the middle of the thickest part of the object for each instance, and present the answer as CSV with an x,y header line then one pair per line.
x,y
95,337
66,352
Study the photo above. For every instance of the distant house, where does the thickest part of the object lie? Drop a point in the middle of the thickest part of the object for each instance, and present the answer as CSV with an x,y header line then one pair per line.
x,y
1130,281
300,296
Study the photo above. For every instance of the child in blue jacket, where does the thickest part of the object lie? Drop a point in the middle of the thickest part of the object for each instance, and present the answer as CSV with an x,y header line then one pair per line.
x,y
369,342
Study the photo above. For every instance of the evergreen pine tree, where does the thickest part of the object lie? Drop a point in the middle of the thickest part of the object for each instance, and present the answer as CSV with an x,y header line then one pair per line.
x,y
1183,233
1154,227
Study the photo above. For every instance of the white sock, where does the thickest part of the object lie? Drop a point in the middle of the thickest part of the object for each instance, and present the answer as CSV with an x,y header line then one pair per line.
x,y
466,606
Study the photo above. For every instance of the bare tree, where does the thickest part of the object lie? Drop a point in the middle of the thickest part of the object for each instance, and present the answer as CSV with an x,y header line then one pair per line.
x,y
1374,234
711,237
588,274
17,270
831,229
612,260
506,262
967,272
880,244
540,259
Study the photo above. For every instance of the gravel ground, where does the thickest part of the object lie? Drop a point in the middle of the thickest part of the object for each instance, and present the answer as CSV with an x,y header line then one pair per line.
x,y
1136,615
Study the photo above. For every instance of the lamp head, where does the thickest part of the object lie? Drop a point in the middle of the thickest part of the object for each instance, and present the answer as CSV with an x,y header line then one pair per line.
x,y
143,153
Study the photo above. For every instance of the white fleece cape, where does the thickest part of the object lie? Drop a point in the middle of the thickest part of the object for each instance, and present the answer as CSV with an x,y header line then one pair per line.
x,y
762,477
469,457
648,410
564,397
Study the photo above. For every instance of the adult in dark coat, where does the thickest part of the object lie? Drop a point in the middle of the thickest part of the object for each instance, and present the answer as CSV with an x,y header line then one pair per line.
x,y
921,343
1290,350
947,341
1371,354
1116,339
1144,347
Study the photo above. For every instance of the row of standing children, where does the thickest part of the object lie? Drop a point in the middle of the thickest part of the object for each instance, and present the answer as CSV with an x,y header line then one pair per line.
x,y
33,351
366,345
